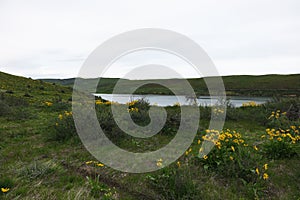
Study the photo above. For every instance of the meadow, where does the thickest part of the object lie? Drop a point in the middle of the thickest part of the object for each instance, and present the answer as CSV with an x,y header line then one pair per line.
x,y
256,155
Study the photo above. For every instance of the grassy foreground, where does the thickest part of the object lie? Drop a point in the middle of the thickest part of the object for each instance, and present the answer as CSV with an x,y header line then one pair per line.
x,y
256,155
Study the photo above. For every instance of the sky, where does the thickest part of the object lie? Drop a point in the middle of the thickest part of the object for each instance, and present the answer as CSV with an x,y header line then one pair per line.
x,y
52,39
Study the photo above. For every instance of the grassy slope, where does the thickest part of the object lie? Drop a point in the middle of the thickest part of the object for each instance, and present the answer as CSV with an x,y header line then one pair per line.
x,y
40,169
266,85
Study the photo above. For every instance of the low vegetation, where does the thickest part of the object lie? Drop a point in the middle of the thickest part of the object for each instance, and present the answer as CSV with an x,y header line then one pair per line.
x,y
256,155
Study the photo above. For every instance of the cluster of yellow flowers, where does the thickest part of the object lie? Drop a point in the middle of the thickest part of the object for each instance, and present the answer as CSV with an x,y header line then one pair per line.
x,y
187,152
5,190
159,163
225,140
66,114
227,136
250,104
48,103
218,111
133,110
99,102
265,176
291,134
132,103
98,164
277,114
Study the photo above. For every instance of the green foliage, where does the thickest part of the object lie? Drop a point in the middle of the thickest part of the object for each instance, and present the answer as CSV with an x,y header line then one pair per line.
x,y
282,137
175,183
23,141
36,170
139,111
5,182
100,190
63,127
232,157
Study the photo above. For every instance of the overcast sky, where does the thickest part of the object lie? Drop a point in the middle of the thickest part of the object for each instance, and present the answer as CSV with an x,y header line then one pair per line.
x,y
43,39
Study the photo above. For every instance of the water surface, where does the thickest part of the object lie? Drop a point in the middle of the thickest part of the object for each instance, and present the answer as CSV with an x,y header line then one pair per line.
x,y
169,100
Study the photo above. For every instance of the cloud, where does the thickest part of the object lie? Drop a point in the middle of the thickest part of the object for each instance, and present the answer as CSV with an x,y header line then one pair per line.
x,y
53,38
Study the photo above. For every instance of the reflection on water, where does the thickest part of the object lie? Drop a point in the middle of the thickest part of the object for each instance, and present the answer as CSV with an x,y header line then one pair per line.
x,y
168,100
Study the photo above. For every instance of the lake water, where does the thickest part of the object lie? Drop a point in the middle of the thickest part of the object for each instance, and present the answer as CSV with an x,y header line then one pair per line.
x,y
169,100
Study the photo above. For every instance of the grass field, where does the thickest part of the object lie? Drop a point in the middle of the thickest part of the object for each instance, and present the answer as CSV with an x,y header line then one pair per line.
x,y
41,157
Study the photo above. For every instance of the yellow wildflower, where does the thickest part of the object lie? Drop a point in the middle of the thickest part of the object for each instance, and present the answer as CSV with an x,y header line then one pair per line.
x,y
205,157
89,162
199,141
236,141
257,171
178,163
255,147
187,153
231,158
232,148
98,102
279,139
222,137
100,165
265,166
48,103
4,190
159,162
265,176
60,116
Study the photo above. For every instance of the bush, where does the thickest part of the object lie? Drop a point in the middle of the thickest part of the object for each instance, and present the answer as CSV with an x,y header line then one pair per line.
x,y
13,101
281,143
232,157
64,127
175,183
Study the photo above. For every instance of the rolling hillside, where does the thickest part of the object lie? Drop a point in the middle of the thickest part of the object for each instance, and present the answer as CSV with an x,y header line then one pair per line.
x,y
244,85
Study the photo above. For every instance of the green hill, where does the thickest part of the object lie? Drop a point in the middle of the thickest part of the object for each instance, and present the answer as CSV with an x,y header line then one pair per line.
x,y
33,90
243,85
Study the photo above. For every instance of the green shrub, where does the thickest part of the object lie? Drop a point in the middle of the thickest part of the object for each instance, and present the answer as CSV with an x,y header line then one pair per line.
x,y
63,127
232,157
175,183
281,143
100,190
